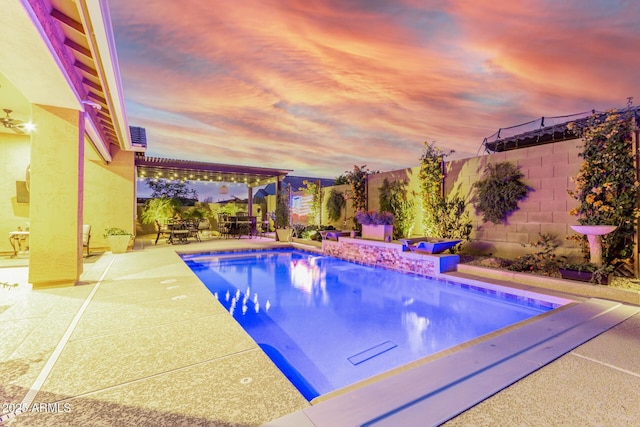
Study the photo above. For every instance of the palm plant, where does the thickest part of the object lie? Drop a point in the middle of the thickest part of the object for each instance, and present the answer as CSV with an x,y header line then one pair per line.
x,y
158,210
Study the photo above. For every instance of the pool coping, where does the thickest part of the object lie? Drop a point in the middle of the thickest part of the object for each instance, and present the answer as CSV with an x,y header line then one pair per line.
x,y
465,377
551,283
477,382
353,404
596,381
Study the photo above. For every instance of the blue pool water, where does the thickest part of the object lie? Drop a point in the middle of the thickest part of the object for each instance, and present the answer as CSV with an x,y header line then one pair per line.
x,y
328,323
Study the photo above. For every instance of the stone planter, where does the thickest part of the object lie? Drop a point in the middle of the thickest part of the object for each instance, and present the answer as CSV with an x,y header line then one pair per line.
x,y
119,243
377,232
584,276
284,234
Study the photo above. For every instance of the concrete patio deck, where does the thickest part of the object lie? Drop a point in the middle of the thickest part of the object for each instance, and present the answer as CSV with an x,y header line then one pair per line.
x,y
141,342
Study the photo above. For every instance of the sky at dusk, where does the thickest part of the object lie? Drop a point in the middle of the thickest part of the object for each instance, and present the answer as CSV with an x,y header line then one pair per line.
x,y
318,86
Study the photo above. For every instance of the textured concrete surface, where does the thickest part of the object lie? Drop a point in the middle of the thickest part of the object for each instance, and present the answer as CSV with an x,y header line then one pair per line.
x,y
146,345
139,342
575,390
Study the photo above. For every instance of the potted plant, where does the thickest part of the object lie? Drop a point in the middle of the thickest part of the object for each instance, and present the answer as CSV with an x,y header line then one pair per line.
x,y
376,225
283,232
118,239
587,272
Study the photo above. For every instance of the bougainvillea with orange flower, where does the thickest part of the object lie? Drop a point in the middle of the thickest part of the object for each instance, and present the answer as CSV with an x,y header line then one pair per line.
x,y
606,186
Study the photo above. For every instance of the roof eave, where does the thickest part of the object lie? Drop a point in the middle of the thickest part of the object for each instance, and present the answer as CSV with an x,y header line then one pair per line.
x,y
98,23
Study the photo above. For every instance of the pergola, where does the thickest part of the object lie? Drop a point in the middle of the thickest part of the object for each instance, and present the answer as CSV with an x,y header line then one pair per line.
x,y
187,170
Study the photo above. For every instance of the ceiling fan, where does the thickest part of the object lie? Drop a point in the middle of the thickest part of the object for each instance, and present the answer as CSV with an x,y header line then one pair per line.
x,y
14,124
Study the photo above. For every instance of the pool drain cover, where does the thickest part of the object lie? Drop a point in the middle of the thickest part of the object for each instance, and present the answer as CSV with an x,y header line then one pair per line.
x,y
372,352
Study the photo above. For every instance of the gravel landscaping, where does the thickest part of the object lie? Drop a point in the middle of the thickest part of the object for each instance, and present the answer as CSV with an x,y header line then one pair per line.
x,y
629,283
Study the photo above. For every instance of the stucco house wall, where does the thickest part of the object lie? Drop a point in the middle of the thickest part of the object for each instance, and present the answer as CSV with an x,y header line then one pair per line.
x,y
14,159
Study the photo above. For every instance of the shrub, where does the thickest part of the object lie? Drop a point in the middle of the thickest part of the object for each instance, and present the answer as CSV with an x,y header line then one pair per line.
x,y
115,231
606,188
158,209
374,218
500,191
431,176
393,199
454,220
282,209
298,229
544,261
358,181
312,188
335,203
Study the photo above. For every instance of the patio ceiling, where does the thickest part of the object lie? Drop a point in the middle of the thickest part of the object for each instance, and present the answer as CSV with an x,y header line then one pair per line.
x,y
82,41
187,170
68,60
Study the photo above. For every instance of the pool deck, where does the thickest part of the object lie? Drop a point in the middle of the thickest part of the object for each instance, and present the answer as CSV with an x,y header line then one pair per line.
x,y
141,342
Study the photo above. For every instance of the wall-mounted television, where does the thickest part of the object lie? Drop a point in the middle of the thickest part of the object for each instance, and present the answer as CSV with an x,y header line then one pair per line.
x,y
22,192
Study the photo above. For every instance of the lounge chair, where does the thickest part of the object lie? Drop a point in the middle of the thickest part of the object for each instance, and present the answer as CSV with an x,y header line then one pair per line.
x,y
428,245
334,234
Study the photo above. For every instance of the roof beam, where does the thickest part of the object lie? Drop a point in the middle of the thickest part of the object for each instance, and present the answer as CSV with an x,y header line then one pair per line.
x,y
91,84
66,20
98,98
79,65
77,47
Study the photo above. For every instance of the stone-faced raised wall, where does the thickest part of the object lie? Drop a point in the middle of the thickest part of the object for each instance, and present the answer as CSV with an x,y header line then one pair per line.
x,y
389,255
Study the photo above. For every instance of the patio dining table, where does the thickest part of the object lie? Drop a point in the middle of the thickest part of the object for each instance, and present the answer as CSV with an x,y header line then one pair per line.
x,y
179,231
241,225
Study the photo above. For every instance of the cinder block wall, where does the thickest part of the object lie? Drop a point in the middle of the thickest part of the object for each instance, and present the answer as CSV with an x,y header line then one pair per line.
x,y
340,224
548,169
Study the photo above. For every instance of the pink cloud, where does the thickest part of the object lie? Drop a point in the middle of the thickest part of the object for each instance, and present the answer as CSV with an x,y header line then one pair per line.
x,y
319,86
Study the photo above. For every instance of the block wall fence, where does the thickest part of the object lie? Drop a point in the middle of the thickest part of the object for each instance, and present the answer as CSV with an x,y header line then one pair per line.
x,y
548,170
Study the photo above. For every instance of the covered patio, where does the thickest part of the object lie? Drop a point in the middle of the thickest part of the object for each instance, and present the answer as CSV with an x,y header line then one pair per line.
x,y
186,170
74,162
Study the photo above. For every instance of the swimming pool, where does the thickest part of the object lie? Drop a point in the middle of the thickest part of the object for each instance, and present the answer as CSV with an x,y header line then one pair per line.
x,y
328,323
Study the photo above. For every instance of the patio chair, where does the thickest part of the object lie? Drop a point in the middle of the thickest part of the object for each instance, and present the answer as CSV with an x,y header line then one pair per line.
x,y
263,228
204,229
224,225
192,227
86,236
163,230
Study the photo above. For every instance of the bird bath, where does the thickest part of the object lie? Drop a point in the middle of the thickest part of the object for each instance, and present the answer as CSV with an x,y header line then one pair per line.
x,y
594,233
